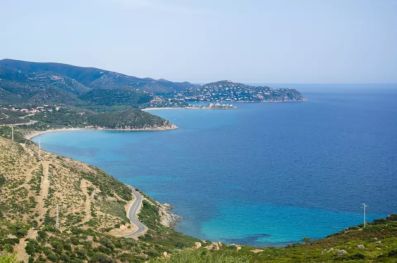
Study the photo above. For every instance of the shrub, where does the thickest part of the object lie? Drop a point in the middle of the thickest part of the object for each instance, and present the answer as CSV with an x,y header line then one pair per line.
x,y
2,180
32,247
100,258
8,258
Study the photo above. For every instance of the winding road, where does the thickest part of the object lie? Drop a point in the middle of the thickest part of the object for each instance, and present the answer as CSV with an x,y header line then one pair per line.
x,y
132,214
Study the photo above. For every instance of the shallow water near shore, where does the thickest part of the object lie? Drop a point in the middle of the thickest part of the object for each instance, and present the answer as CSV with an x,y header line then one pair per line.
x,y
263,174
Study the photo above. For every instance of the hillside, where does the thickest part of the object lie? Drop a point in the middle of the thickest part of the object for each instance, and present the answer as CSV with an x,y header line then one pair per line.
x,y
32,83
222,91
377,242
23,82
129,118
30,121
92,212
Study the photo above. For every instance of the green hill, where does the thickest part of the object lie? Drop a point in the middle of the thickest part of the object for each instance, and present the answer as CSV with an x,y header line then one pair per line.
x,y
23,82
32,83
377,242
92,212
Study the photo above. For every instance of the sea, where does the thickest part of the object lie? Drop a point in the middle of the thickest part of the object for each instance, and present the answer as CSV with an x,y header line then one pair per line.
x,y
264,174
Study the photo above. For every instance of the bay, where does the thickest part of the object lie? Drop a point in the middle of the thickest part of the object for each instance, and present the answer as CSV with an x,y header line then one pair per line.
x,y
263,174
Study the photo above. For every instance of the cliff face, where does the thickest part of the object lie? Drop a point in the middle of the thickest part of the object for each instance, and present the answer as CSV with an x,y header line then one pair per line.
x,y
53,208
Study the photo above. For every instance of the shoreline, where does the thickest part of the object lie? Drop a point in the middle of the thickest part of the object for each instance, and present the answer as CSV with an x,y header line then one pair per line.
x,y
33,134
206,108
183,108
167,216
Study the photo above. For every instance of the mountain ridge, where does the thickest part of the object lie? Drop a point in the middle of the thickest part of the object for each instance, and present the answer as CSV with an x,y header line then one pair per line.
x,y
87,78
23,82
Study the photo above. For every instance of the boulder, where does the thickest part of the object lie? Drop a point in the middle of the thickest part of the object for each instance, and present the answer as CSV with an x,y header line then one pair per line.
x,y
360,246
341,252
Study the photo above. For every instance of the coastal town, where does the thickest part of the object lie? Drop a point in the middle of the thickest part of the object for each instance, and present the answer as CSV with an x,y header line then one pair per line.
x,y
225,92
18,115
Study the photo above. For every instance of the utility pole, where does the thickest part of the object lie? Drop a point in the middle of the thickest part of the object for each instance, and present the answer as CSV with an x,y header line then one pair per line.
x,y
364,214
57,218
39,149
12,133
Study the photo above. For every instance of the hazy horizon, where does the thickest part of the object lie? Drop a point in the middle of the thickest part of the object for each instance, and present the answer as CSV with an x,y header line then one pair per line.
x,y
268,42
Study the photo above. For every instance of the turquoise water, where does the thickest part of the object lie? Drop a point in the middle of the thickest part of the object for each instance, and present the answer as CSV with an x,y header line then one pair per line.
x,y
264,174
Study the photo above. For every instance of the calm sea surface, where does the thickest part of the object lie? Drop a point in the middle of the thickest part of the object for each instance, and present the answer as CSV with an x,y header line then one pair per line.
x,y
264,173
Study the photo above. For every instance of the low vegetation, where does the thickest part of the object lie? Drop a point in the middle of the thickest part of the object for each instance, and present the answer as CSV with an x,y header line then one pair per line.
x,y
7,258
377,242
67,117
56,117
31,190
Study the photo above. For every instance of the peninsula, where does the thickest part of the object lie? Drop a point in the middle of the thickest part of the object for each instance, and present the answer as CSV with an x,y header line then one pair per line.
x,y
37,97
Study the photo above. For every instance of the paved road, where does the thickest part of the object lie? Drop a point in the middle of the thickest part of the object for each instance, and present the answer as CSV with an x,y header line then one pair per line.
x,y
133,215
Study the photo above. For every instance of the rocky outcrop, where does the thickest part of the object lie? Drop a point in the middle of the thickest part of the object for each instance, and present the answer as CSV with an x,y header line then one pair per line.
x,y
167,218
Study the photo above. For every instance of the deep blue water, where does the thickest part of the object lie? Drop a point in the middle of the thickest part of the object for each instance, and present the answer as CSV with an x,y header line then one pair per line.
x,y
264,173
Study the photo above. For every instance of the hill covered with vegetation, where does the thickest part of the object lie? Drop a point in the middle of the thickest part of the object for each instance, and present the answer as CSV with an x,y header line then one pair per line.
x,y
40,96
129,118
29,121
32,83
377,242
36,188
24,82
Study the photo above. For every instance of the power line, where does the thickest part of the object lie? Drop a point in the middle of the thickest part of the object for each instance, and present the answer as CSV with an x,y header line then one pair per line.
x,y
39,149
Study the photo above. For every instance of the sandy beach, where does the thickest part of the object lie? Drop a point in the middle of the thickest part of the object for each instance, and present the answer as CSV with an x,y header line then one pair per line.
x,y
171,108
33,134
185,108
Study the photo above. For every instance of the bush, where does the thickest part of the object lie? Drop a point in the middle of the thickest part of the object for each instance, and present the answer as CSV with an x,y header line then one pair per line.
x,y
2,180
52,257
32,247
100,258
392,253
19,230
357,256
8,258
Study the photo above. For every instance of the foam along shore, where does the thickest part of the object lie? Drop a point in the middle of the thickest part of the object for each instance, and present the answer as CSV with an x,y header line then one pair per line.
x,y
211,106
31,135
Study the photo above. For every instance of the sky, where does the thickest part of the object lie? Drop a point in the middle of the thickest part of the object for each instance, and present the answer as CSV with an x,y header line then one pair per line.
x,y
251,41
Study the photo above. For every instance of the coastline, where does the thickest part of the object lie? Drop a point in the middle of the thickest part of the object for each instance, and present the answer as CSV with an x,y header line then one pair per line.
x,y
32,134
181,108
167,217
208,108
